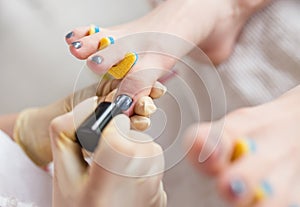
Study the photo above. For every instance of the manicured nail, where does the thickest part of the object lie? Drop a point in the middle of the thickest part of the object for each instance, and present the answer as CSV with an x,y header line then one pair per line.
x,y
237,188
93,29
69,35
242,147
123,67
77,44
97,59
106,41
263,191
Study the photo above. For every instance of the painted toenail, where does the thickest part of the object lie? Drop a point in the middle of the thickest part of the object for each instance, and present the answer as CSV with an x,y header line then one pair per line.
x,y
93,29
97,59
69,35
237,188
242,147
106,41
122,68
77,44
263,191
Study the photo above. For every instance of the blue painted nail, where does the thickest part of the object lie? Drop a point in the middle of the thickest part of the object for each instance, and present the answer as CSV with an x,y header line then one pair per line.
x,y
97,59
267,188
97,29
77,44
69,35
237,188
112,40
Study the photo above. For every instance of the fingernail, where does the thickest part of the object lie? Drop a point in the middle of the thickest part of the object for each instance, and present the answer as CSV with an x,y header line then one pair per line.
x,y
263,191
97,59
69,35
106,41
237,188
76,44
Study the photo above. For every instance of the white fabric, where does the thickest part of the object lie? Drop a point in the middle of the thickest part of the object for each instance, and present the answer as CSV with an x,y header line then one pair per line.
x,y
22,184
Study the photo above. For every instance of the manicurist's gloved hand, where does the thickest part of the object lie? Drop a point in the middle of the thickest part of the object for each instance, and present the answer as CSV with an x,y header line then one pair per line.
x,y
126,169
31,129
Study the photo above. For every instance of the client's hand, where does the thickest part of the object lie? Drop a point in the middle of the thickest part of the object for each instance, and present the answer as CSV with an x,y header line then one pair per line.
x,y
126,169
31,128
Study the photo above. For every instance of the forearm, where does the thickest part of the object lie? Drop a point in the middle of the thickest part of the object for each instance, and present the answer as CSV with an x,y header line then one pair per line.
x,y
7,123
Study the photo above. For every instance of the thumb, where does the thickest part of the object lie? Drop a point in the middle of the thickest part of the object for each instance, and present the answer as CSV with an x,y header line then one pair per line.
x,y
69,164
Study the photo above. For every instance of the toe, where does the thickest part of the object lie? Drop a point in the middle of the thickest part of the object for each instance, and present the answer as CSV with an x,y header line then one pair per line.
x,y
209,147
257,180
76,34
84,47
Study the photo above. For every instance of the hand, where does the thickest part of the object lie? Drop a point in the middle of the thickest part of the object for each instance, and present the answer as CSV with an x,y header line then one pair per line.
x,y
31,127
126,169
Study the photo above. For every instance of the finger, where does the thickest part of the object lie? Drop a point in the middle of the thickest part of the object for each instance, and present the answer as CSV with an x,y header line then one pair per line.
x,y
145,106
106,86
158,90
133,153
69,164
140,123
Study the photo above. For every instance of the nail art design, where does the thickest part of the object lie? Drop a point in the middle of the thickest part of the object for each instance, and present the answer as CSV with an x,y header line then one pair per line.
x,y
106,41
242,147
93,29
69,35
263,191
77,44
122,68
237,188
97,59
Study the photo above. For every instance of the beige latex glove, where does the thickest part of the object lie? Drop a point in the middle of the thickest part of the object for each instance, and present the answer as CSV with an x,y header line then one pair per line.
x,y
31,129
126,169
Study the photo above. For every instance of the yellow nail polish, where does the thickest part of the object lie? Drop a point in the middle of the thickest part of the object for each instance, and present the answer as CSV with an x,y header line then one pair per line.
x,y
106,41
262,192
242,147
122,68
93,29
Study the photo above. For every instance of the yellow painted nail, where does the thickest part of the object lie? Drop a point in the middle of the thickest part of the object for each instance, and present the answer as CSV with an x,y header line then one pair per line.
x,y
106,41
122,68
93,29
242,147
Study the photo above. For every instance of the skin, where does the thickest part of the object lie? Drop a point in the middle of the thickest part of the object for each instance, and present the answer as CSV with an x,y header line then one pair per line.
x,y
218,24
215,29
275,133
7,123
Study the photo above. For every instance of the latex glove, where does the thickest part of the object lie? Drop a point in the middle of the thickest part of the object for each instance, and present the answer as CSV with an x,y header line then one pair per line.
x,y
31,129
126,169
